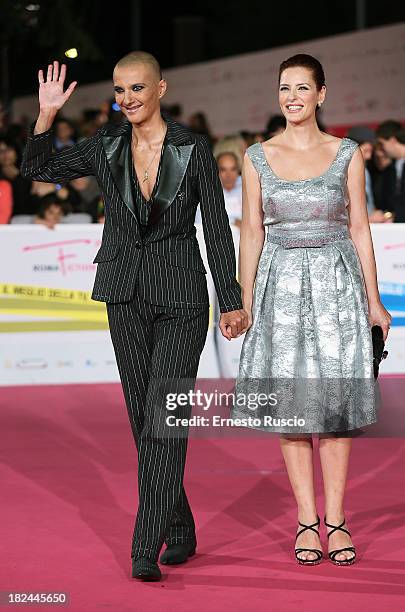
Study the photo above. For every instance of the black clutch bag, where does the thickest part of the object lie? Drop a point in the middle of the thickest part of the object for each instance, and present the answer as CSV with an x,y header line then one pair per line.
x,y
378,348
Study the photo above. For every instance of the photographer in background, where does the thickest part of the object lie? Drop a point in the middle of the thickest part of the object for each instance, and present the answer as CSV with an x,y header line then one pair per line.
x,y
391,136
365,137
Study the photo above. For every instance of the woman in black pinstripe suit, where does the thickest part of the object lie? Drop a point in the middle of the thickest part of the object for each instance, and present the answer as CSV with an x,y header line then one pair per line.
x,y
153,173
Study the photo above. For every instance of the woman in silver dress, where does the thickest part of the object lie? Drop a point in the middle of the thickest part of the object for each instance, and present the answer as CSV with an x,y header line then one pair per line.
x,y
308,277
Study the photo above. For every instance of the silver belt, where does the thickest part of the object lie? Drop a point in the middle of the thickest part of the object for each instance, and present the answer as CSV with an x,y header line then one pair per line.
x,y
290,240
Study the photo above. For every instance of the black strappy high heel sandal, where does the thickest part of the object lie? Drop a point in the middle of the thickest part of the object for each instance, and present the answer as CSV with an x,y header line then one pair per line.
x,y
319,553
333,553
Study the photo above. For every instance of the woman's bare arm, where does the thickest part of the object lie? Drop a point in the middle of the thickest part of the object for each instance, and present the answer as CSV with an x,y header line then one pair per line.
x,y
359,229
251,232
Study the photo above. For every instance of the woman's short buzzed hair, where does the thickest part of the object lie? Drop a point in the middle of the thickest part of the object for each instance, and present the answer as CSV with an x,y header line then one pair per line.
x,y
140,57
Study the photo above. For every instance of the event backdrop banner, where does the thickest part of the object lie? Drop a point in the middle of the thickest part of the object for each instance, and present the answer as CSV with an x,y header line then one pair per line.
x,y
51,331
364,72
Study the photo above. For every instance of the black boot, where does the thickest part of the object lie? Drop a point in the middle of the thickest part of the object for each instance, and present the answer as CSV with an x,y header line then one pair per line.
x,y
145,569
177,553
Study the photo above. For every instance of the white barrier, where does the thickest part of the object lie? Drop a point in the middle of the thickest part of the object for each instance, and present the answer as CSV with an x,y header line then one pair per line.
x,y
52,332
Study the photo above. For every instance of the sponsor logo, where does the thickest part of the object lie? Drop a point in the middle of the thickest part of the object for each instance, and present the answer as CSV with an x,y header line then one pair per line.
x,y
63,255
33,363
393,298
64,364
90,363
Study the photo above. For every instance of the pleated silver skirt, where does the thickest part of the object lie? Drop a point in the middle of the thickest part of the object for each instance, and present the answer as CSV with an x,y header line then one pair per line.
x,y
308,353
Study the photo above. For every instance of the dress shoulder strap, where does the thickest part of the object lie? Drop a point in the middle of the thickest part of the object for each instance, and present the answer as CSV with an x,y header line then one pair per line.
x,y
346,152
256,155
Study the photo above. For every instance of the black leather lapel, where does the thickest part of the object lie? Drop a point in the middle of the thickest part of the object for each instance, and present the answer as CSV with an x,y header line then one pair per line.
x,y
175,160
118,152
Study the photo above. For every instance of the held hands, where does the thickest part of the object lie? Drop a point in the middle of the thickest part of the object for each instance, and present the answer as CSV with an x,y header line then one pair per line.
x,y
378,315
235,323
51,94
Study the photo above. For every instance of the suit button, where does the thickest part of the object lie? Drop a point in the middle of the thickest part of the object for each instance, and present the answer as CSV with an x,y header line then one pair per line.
x,y
138,244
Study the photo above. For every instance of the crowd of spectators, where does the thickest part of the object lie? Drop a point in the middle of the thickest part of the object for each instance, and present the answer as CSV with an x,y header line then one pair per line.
x,y
383,151
80,200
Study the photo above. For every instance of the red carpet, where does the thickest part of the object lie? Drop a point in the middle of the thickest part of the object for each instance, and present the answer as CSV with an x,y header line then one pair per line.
x,y
68,483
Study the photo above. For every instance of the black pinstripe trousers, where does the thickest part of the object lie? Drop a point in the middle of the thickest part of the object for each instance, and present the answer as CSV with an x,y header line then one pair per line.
x,y
155,344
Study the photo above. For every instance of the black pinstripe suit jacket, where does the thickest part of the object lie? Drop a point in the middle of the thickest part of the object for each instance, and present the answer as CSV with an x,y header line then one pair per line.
x,y
163,263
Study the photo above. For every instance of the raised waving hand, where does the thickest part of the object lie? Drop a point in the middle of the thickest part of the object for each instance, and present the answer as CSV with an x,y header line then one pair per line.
x,y
51,95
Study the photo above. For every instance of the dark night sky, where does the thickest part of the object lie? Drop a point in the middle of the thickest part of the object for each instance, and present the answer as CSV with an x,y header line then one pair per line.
x,y
229,28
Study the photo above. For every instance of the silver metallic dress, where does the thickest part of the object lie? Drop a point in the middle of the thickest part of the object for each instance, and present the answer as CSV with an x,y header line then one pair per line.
x,y
306,361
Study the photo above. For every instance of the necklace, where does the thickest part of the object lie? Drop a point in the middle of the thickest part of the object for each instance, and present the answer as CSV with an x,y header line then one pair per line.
x,y
146,172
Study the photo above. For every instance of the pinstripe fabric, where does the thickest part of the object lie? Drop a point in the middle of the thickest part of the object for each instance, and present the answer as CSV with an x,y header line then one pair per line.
x,y
155,343
153,280
164,262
